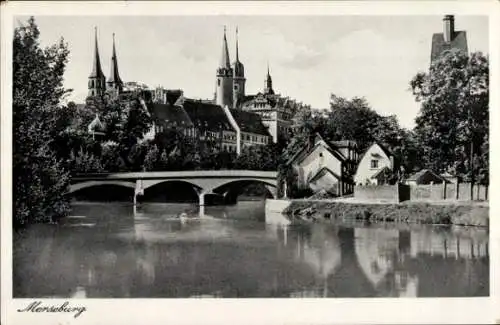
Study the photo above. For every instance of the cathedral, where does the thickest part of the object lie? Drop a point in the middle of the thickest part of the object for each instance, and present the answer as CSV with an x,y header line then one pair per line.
x,y
275,110
255,117
97,84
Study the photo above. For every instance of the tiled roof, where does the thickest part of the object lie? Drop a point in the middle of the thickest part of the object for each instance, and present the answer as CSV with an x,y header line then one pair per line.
x,y
206,115
459,41
416,176
173,95
385,148
170,114
249,122
323,171
305,151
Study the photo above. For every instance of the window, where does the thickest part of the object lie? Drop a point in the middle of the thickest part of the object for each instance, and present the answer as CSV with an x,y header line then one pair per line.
x,y
374,163
235,87
218,82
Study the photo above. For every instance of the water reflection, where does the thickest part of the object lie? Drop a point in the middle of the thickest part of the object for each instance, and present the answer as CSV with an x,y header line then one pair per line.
x,y
230,252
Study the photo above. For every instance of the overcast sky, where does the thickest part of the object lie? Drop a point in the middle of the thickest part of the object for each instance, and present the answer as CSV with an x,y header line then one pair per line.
x,y
309,56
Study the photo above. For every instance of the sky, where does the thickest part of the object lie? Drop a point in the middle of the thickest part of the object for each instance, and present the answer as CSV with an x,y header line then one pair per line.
x,y
310,57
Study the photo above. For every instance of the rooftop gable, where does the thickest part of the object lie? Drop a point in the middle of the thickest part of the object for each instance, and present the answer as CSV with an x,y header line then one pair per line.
x,y
322,172
171,114
249,122
439,45
381,146
206,115
304,153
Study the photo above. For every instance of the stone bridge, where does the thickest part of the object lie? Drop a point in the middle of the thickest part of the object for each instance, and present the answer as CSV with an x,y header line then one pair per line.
x,y
215,182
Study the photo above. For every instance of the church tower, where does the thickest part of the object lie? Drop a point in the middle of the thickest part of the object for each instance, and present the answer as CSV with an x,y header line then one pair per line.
x,y
97,80
115,84
224,88
268,86
239,78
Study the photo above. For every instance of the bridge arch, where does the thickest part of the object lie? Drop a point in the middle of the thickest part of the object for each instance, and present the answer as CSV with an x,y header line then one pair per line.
x,y
82,185
166,190
232,188
149,183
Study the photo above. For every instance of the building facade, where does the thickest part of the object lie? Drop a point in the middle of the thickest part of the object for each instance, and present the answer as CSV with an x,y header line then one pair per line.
x,y
223,128
372,165
321,165
275,111
232,119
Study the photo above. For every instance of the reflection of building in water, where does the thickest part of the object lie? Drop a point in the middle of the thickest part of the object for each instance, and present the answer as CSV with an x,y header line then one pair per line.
x,y
406,286
375,249
447,246
146,268
79,293
449,264
321,251
364,262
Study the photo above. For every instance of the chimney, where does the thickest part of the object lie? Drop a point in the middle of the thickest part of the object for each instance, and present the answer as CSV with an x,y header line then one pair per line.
x,y
448,28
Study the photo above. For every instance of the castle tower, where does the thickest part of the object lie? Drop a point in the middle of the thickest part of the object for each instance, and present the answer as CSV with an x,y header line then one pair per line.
x,y
239,78
224,86
268,86
97,80
115,84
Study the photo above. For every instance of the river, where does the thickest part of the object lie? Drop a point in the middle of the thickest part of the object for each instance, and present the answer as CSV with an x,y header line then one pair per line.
x,y
108,250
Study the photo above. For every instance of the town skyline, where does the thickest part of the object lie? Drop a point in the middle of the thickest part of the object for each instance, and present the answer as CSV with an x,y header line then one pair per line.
x,y
325,56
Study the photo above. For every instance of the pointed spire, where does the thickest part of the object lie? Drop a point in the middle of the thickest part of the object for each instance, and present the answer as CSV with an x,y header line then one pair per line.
x,y
114,76
224,60
268,89
269,81
237,54
96,66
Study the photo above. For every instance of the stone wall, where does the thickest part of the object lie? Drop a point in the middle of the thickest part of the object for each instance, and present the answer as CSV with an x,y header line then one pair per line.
x,y
435,192
444,191
382,193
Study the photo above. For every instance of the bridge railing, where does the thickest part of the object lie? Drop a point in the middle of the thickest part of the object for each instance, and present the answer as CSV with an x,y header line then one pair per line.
x,y
179,174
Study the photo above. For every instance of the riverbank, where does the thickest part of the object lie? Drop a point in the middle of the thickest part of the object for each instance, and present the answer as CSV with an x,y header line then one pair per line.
x,y
438,213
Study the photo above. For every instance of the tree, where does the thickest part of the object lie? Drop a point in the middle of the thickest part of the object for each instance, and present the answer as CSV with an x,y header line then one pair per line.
x,y
124,117
151,158
306,124
85,162
453,124
136,156
352,120
39,177
258,158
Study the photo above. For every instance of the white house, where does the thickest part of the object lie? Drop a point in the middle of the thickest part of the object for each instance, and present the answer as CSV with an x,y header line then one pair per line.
x,y
321,165
375,161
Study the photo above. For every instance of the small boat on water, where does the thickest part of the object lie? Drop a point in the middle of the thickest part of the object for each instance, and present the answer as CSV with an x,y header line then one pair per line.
x,y
183,217
76,217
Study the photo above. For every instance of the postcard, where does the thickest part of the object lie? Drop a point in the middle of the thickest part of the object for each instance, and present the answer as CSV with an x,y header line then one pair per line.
x,y
249,162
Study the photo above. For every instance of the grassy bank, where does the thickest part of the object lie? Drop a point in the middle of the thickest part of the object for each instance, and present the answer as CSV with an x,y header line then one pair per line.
x,y
464,214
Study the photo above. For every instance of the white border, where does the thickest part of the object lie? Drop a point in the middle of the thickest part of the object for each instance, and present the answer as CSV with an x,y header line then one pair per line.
x,y
251,311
